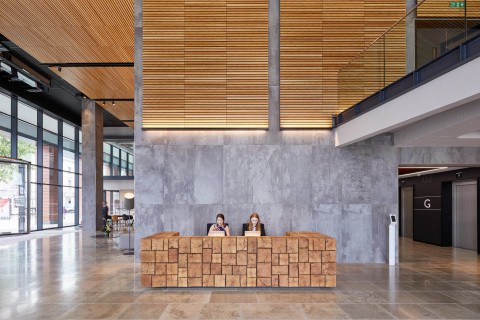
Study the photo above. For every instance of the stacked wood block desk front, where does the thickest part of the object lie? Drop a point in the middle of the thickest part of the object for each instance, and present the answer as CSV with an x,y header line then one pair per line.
x,y
300,259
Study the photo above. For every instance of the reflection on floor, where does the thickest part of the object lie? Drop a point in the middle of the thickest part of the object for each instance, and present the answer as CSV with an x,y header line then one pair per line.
x,y
67,277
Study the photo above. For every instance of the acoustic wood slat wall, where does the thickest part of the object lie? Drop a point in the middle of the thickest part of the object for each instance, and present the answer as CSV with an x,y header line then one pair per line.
x,y
442,9
331,34
205,64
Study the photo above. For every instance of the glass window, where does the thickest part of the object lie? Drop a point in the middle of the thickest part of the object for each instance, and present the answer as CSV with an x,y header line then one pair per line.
x,y
50,137
33,206
80,136
107,169
5,121
68,206
5,104
50,156
27,113
68,131
50,176
27,129
5,144
116,167
106,148
27,150
69,144
50,123
116,152
50,206
68,161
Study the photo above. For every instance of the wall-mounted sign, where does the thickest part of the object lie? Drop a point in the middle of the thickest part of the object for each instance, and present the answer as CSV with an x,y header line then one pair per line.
x,y
427,204
457,4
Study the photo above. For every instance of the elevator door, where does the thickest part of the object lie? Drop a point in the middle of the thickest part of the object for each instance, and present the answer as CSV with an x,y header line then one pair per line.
x,y
407,212
465,215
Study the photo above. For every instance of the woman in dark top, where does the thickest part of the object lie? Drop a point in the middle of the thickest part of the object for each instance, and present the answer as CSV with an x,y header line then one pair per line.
x,y
254,225
220,225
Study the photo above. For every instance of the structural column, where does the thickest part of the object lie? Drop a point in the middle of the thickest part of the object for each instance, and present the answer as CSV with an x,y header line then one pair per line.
x,y
410,35
273,66
92,175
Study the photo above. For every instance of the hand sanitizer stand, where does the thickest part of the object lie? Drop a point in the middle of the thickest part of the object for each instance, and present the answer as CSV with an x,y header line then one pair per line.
x,y
392,240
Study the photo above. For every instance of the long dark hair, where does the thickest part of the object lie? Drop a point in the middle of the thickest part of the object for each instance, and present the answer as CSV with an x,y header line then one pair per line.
x,y
250,224
220,215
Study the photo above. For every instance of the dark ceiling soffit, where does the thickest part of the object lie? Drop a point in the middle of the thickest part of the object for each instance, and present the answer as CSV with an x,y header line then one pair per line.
x,y
87,64
112,99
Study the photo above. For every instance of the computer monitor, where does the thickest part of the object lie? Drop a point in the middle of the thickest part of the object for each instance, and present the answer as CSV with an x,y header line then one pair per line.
x,y
216,234
252,233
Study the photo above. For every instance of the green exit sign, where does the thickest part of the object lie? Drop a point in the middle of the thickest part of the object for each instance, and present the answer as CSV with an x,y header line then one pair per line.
x,y
457,4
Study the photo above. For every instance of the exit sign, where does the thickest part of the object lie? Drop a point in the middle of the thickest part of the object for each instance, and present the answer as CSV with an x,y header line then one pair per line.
x,y
457,4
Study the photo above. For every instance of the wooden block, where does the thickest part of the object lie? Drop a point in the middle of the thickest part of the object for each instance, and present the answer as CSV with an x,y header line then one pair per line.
x,y
329,268
241,258
292,245
319,244
242,244
264,255
275,259
172,281
147,268
232,281
219,280
303,243
182,272
264,270
283,280
146,244
194,282
240,270
310,244
216,258
315,256
252,272
252,245
182,260
172,268
316,268
172,255
216,268
329,256
207,242
279,270
165,244
195,270
206,268
304,280
293,257
243,281
160,268
184,245
330,281
159,281
293,282
157,244
161,256
317,281
303,255
252,260
275,280
208,281
279,245
183,282
251,282
264,282
173,243
229,245
304,268
196,245
207,256
264,242
147,256
330,244
293,270
194,258
283,259
227,269
217,245
146,280
229,259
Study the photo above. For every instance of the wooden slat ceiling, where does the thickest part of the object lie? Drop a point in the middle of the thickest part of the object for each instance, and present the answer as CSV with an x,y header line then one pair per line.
x,y
205,64
77,31
317,39
443,9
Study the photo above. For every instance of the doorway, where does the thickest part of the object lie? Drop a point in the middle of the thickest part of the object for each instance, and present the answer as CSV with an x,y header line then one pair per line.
x,y
465,215
407,212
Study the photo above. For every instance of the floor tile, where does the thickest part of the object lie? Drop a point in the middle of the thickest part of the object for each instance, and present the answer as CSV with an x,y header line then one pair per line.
x,y
409,311
143,311
324,311
272,311
365,311
452,311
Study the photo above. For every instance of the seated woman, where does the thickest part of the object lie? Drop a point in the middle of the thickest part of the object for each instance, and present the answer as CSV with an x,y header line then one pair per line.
x,y
220,225
254,225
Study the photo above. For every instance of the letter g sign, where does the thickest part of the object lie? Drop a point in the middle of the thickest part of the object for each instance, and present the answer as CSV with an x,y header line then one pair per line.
x,y
426,203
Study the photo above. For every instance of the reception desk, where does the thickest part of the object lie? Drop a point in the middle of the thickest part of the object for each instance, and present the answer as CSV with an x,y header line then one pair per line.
x,y
299,259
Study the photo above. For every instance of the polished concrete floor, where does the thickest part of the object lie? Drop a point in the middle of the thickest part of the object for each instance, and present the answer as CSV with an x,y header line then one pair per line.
x,y
64,275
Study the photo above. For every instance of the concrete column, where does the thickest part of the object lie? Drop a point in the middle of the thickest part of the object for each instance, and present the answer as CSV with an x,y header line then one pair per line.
x,y
410,35
274,65
92,175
